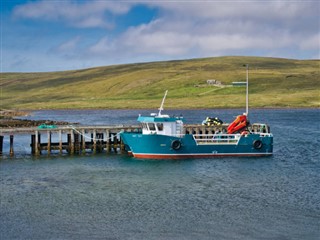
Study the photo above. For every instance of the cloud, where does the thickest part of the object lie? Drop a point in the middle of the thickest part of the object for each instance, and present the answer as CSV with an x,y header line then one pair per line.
x,y
178,29
104,45
211,27
69,45
201,30
313,42
77,14
255,9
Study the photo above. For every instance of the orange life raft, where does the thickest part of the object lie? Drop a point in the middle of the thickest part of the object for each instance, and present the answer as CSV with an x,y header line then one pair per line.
x,y
239,123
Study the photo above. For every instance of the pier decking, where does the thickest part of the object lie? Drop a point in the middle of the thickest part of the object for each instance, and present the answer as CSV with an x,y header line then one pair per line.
x,y
80,139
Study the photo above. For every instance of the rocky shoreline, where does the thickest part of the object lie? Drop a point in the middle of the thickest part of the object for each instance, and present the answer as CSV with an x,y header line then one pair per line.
x,y
8,120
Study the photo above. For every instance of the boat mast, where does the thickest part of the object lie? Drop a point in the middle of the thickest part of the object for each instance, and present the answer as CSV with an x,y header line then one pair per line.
x,y
247,91
161,107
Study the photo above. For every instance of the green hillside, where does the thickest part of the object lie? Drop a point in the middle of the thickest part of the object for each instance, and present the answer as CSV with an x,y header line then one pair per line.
x,y
274,82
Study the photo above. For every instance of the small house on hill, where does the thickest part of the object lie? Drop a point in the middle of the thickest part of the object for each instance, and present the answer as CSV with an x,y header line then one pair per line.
x,y
213,82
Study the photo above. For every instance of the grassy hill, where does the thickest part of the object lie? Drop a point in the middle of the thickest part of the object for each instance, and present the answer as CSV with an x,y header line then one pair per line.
x,y
274,82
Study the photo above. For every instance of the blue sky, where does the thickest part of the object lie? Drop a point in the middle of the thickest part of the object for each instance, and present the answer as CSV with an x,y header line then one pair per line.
x,y
55,35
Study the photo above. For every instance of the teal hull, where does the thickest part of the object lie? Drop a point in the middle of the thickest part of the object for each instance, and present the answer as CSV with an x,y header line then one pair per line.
x,y
162,146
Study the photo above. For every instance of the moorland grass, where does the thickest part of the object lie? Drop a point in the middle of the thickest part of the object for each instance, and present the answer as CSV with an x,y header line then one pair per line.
x,y
274,82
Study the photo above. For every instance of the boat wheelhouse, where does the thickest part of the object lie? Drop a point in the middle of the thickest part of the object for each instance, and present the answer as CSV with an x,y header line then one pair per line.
x,y
161,124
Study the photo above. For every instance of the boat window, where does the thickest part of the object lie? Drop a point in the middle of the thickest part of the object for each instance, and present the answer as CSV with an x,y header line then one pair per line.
x,y
152,127
160,126
144,126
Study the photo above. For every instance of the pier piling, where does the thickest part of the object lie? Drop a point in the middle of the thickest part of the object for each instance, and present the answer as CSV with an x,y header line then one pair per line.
x,y
108,145
72,143
94,137
49,143
11,146
1,144
60,141
83,141
76,143
37,143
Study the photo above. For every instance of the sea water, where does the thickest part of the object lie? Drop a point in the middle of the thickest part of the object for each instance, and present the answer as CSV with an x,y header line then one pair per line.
x,y
113,196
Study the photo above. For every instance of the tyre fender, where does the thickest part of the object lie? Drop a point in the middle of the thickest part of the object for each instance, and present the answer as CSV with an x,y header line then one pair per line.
x,y
176,144
257,144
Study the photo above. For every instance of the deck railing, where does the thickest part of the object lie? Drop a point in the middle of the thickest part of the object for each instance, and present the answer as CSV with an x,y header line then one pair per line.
x,y
217,138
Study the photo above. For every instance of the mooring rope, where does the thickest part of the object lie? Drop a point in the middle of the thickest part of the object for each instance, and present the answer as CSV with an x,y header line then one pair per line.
x,y
90,138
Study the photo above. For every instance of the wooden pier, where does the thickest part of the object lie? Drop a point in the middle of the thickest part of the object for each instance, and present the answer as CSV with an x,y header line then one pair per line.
x,y
81,139
68,139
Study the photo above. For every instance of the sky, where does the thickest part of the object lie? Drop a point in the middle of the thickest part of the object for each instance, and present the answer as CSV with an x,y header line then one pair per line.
x,y
56,35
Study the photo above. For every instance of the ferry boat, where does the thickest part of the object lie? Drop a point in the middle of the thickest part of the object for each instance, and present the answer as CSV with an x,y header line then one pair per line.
x,y
165,137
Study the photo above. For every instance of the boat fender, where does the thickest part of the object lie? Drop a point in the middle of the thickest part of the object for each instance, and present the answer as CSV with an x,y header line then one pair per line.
x,y
257,144
176,144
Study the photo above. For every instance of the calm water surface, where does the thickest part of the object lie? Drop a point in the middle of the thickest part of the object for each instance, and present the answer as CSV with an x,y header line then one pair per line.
x,y
112,196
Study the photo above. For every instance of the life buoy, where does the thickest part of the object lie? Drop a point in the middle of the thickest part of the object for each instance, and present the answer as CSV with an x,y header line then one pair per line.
x,y
257,144
176,144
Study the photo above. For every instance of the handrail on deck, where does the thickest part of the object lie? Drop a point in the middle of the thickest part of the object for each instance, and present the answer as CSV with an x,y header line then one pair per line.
x,y
217,138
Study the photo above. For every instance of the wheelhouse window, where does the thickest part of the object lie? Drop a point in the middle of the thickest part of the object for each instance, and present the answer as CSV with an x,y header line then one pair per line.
x,y
160,126
144,126
152,127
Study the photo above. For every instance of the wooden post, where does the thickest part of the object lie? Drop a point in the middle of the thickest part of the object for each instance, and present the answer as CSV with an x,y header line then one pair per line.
x,y
49,142
76,143
1,144
11,146
33,144
108,146
122,147
71,142
97,141
36,143
60,141
100,142
115,143
83,141
91,141
94,141
111,141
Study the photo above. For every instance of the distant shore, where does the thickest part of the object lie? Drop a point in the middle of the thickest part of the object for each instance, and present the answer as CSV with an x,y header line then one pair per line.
x,y
8,120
